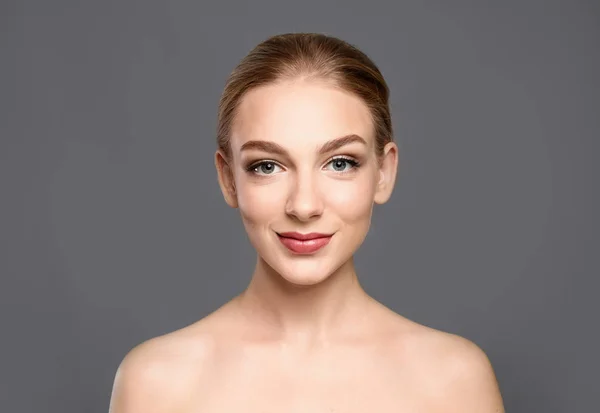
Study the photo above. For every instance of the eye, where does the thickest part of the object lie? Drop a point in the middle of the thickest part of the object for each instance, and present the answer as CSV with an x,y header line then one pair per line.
x,y
342,164
264,168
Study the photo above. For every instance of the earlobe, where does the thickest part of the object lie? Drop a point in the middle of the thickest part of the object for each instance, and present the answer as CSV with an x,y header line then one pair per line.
x,y
387,173
226,179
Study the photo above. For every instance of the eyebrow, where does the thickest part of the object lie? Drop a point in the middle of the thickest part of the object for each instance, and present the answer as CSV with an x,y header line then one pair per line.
x,y
328,146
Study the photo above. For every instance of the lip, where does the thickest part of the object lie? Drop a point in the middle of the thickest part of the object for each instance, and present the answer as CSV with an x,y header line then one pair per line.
x,y
304,243
303,237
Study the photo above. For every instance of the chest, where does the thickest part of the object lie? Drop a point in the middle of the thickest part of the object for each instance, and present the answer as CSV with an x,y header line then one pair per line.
x,y
349,388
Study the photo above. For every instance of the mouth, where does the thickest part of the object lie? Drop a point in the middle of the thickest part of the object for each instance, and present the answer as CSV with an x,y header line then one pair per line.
x,y
304,243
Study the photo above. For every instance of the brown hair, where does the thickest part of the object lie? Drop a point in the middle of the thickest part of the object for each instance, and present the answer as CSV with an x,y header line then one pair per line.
x,y
310,55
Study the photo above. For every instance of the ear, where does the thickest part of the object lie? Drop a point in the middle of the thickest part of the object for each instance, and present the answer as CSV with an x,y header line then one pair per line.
x,y
226,181
388,167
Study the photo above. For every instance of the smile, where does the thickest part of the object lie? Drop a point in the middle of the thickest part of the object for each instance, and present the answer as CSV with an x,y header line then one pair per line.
x,y
304,243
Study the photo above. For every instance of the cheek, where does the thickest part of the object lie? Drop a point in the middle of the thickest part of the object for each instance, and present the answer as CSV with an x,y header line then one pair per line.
x,y
352,200
259,204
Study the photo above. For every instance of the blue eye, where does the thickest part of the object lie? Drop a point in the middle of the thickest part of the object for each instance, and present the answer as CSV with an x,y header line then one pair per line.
x,y
338,164
264,168
341,164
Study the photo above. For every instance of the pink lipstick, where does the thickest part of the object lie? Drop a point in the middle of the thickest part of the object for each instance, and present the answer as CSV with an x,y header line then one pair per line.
x,y
304,243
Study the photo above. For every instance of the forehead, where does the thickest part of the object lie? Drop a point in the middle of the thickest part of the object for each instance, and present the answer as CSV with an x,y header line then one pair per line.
x,y
300,114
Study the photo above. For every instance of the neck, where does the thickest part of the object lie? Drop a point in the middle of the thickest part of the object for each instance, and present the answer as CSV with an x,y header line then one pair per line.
x,y
305,315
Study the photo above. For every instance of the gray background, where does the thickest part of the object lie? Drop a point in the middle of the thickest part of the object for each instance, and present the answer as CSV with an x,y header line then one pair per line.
x,y
113,229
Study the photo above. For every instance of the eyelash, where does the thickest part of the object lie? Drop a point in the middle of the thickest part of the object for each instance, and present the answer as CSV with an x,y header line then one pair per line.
x,y
354,164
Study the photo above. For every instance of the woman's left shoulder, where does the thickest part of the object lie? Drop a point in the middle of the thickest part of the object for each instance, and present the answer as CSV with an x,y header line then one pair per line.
x,y
420,342
455,352
456,369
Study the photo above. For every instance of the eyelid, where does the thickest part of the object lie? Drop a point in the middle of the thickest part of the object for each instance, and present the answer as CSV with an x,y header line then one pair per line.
x,y
334,157
348,158
254,164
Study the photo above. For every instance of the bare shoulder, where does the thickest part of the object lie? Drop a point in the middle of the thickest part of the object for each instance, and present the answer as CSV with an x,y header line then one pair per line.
x,y
454,372
159,374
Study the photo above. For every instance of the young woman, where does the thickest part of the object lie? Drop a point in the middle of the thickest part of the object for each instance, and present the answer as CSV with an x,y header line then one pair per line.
x,y
305,150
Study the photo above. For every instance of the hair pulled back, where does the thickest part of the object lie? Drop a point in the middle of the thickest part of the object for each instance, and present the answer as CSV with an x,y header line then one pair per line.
x,y
312,56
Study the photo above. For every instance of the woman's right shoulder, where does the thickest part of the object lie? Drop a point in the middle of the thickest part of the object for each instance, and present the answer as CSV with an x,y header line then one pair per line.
x,y
156,375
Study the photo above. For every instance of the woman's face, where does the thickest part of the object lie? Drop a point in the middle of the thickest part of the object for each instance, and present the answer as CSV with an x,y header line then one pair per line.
x,y
304,161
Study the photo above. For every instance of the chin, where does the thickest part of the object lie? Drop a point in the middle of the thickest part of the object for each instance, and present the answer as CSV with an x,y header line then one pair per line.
x,y
303,279
304,272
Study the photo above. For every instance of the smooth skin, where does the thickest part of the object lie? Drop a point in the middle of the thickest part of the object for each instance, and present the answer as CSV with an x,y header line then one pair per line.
x,y
304,337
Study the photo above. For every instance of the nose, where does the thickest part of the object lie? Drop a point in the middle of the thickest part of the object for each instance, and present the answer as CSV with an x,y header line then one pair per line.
x,y
304,201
